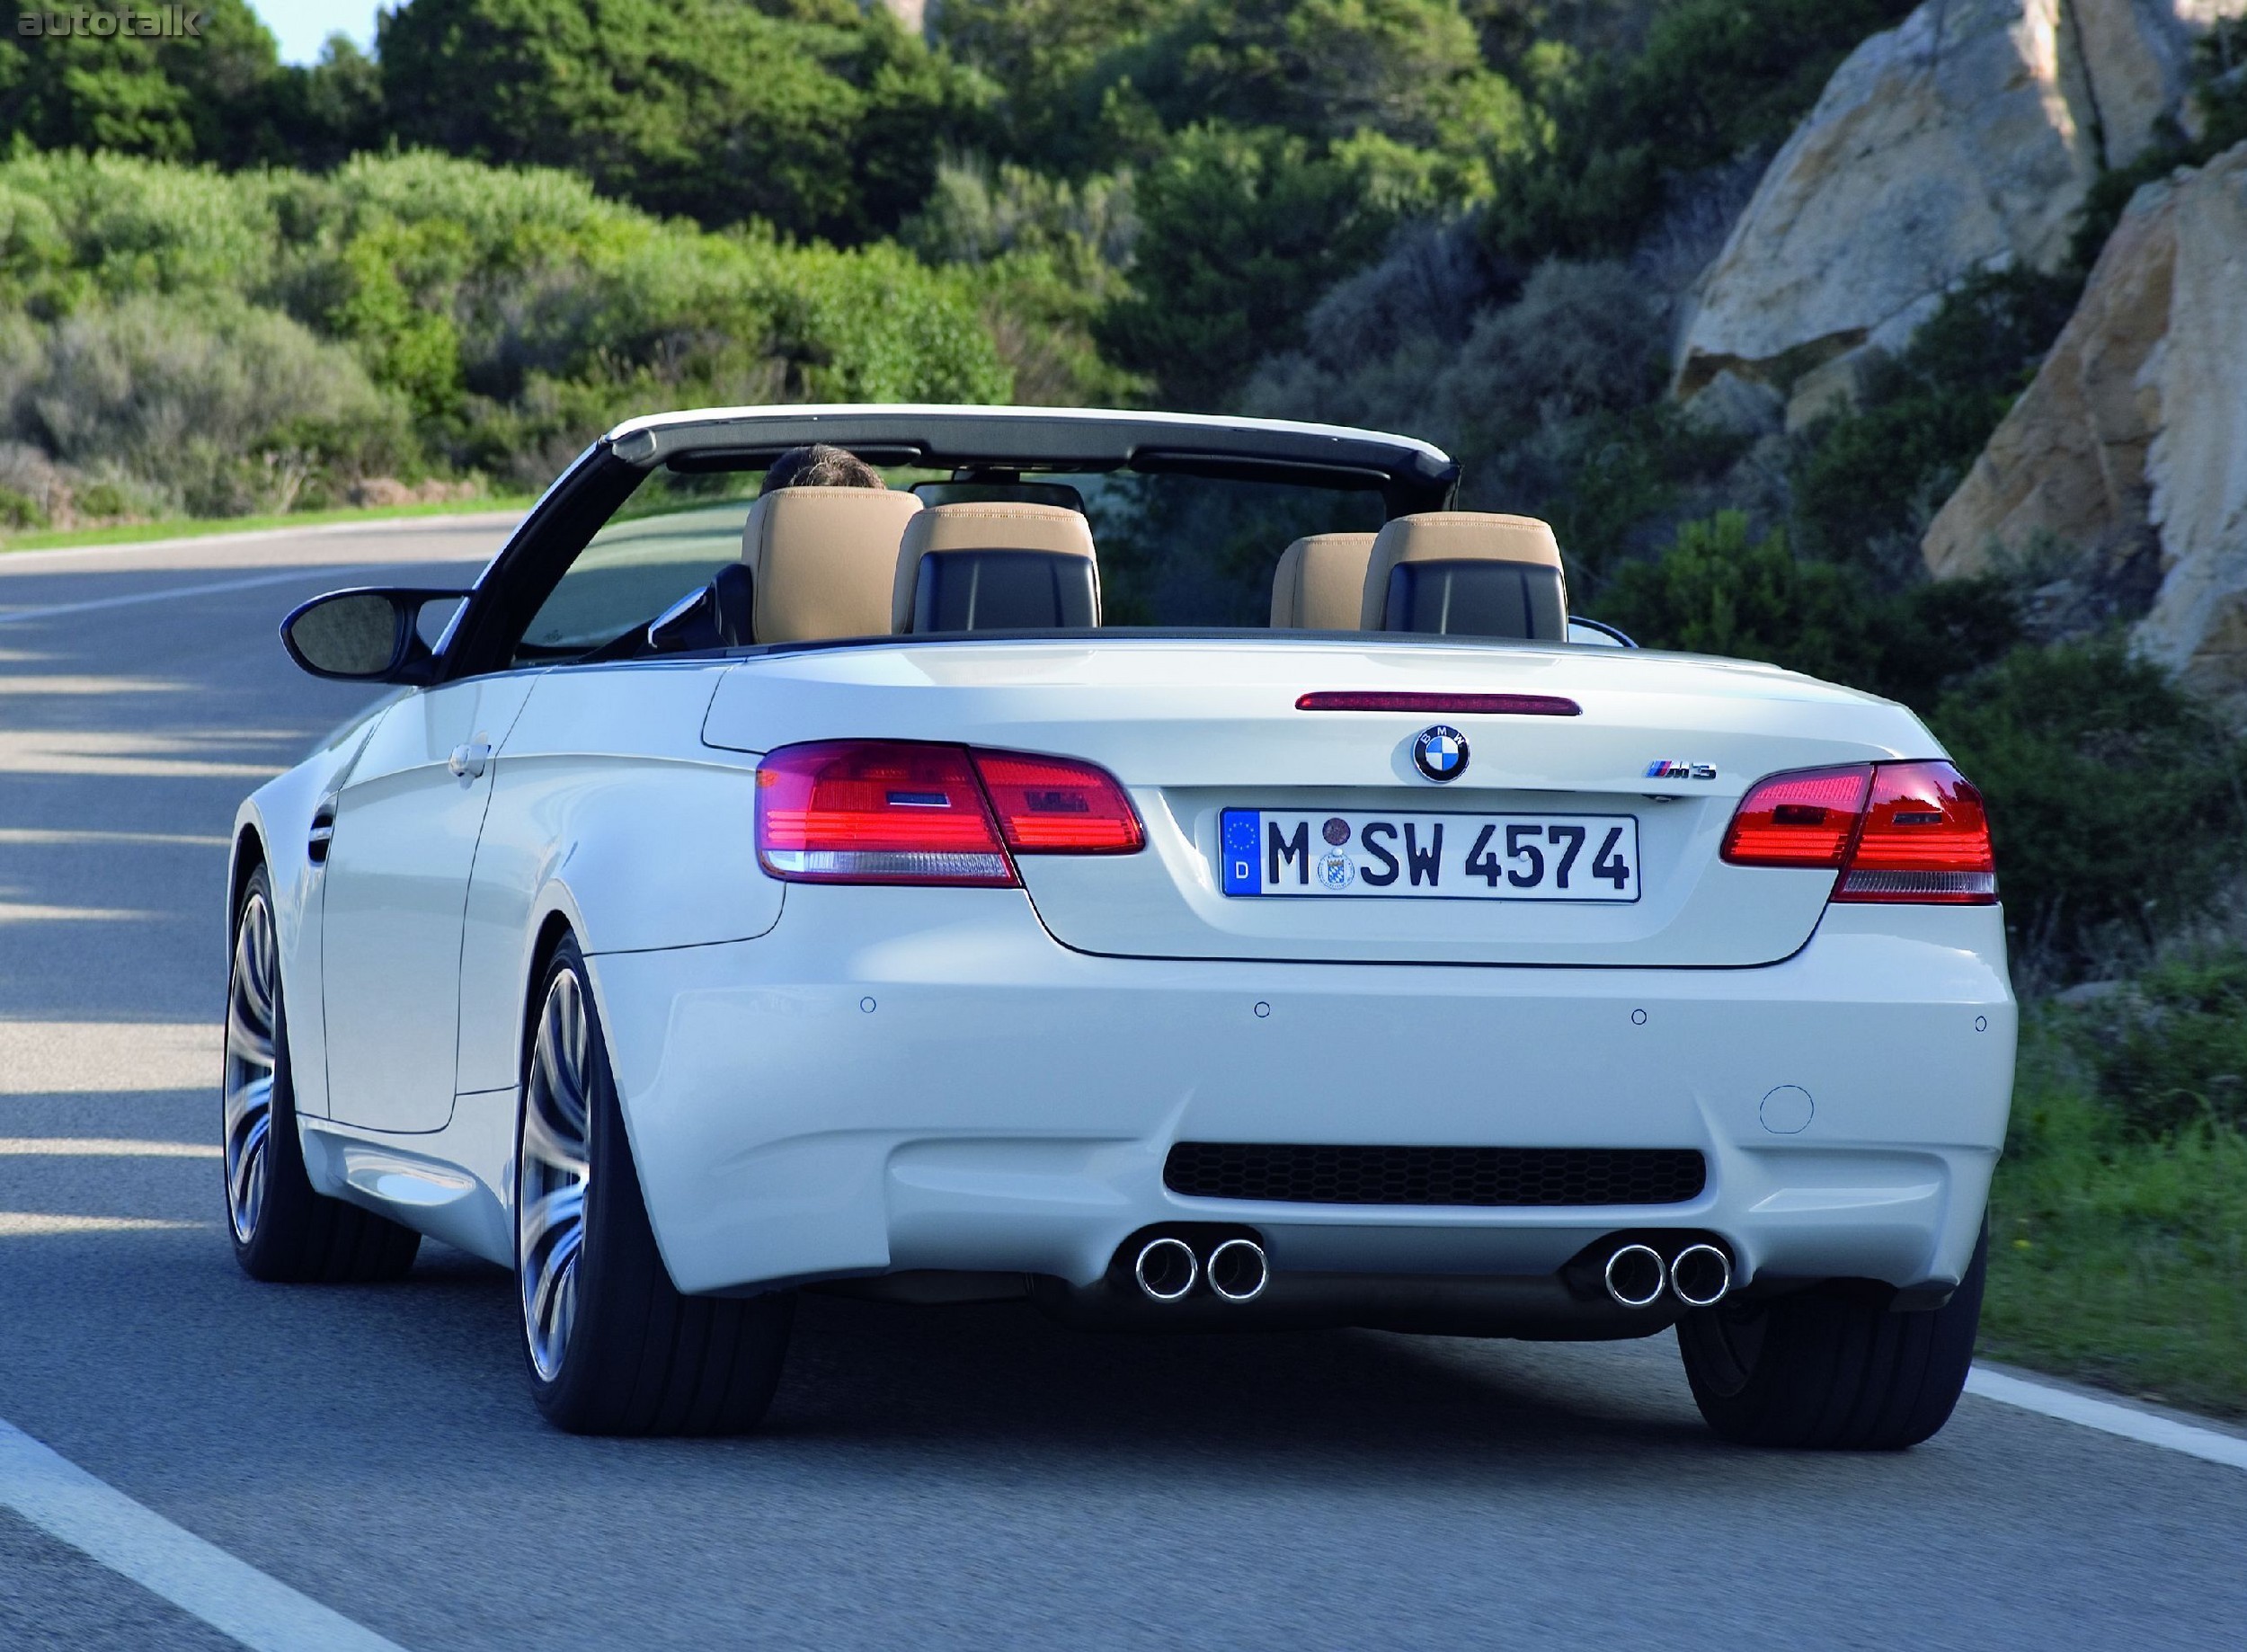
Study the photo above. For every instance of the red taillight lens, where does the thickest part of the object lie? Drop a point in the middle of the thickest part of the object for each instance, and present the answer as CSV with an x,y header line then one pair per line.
x,y
1894,831
1049,805
1803,819
898,811
877,811
1926,838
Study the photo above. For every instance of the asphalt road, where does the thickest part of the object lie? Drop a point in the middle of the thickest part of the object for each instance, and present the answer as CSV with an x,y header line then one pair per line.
x,y
961,1477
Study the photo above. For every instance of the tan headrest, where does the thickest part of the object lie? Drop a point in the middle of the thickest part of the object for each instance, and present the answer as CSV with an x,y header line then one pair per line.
x,y
1451,535
983,525
824,558
1320,582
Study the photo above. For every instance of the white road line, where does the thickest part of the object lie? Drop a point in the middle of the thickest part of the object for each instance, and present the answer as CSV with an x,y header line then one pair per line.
x,y
2145,1426
102,1147
39,1224
172,594
231,1595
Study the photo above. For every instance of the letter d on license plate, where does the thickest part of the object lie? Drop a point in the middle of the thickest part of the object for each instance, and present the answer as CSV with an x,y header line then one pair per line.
x,y
1431,857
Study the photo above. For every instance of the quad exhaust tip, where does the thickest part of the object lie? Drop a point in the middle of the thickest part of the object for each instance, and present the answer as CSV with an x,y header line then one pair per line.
x,y
1636,1276
1167,1269
1237,1270
1700,1274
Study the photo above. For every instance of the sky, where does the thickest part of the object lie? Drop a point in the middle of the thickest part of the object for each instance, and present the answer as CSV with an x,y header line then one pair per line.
x,y
301,25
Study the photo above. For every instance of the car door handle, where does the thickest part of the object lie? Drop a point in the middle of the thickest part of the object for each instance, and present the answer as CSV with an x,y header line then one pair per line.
x,y
322,831
467,761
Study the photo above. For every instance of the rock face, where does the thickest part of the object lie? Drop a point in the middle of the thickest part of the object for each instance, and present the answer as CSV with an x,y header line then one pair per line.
x,y
2125,463
1964,140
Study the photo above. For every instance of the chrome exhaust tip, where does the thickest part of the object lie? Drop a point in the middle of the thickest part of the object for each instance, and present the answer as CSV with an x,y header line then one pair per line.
x,y
1635,1275
1700,1274
1237,1270
1167,1269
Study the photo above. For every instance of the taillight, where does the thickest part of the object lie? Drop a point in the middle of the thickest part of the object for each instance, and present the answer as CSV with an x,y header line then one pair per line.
x,y
877,811
899,812
1894,831
1049,805
1803,819
1926,837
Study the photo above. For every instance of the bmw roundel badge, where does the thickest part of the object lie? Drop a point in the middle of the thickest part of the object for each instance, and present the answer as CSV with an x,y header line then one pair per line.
x,y
1440,752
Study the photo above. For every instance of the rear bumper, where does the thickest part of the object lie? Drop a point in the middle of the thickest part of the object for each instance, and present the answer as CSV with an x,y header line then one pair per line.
x,y
901,1080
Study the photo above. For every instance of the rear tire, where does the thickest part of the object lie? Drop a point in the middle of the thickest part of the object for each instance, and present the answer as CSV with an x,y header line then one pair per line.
x,y
283,1231
612,1347
1825,1372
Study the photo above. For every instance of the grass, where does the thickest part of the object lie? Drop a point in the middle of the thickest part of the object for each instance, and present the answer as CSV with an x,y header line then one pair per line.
x,y
2116,1258
129,533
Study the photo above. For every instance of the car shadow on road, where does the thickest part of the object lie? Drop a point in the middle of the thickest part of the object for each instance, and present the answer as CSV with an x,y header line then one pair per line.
x,y
981,1375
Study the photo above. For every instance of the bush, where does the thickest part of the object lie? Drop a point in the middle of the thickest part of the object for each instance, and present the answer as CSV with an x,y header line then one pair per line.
x,y
1546,404
224,407
1714,79
215,340
2170,1050
2115,798
2116,1257
1871,480
1721,591
1241,232
1411,70
18,510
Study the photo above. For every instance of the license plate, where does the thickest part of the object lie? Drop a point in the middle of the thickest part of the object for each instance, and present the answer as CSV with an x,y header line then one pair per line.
x,y
1432,856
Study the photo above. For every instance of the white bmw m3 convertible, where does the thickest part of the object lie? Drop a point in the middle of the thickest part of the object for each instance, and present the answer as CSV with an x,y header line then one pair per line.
x,y
746,895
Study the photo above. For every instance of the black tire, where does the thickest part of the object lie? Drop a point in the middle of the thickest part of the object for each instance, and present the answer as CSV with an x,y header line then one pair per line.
x,y
1827,1371
288,1234
633,1357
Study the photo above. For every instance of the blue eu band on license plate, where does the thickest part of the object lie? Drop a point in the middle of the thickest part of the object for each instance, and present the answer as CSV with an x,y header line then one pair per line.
x,y
1354,854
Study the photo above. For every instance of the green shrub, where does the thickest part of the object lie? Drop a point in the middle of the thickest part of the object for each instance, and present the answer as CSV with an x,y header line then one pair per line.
x,y
1241,232
1713,79
1411,70
18,510
223,407
1871,479
1049,59
2116,1257
1720,589
244,341
100,499
2170,1050
2114,797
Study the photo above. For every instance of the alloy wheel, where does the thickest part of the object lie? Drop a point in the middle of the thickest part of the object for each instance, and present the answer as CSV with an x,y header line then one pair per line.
x,y
551,1174
253,1031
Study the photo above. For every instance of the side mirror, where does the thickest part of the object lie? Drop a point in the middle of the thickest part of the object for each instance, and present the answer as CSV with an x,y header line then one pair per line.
x,y
717,616
1596,633
363,636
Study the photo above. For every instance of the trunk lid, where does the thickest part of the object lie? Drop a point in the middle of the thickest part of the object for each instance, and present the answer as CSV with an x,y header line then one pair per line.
x,y
1194,727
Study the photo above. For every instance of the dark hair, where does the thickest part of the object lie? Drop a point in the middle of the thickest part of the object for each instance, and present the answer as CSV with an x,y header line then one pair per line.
x,y
820,466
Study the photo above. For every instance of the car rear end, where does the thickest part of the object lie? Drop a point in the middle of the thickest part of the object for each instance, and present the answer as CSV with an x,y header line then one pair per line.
x,y
1523,990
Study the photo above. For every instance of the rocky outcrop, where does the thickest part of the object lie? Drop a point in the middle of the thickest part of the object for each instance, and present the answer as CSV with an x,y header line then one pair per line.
x,y
1964,140
2121,474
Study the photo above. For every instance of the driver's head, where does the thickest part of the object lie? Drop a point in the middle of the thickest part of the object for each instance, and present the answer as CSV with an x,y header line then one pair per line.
x,y
820,466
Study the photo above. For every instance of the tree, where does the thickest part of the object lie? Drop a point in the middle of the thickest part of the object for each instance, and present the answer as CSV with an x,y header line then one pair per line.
x,y
1241,232
176,99
819,118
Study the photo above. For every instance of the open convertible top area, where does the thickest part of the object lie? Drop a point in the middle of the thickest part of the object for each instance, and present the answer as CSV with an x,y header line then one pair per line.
x,y
1411,474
